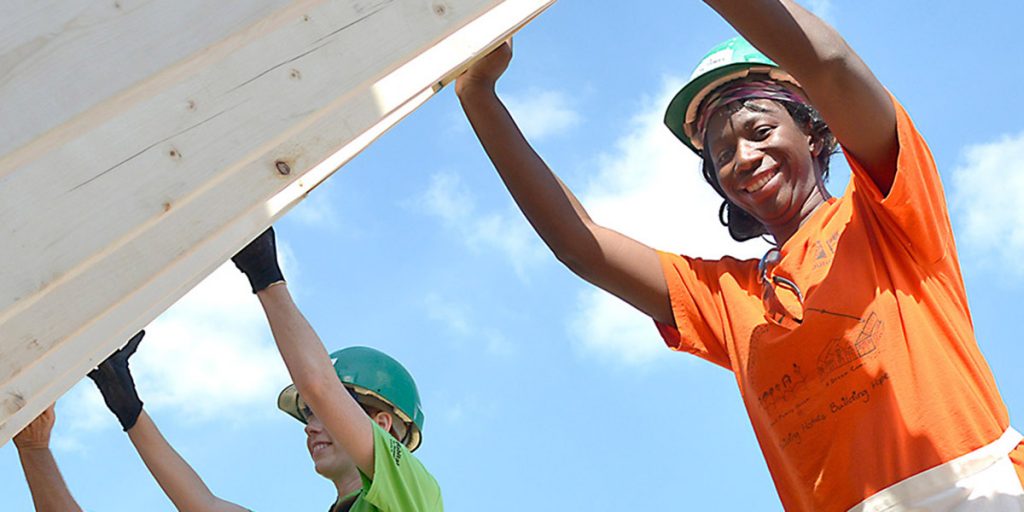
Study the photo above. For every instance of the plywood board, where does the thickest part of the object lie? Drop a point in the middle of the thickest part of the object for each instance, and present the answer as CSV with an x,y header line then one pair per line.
x,y
144,142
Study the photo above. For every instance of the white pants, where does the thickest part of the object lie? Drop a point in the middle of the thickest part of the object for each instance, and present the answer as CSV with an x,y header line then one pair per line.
x,y
982,480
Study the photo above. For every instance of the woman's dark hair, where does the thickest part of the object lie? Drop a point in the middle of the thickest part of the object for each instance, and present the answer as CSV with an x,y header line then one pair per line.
x,y
743,226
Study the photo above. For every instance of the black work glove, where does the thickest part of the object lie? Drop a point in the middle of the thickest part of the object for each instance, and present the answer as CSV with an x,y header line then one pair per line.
x,y
117,386
258,261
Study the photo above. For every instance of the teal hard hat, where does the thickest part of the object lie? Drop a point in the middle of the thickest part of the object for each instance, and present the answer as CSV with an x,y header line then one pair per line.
x,y
375,379
730,60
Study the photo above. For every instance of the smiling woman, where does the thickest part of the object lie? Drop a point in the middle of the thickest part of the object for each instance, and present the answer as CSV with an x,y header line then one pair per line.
x,y
850,340
751,142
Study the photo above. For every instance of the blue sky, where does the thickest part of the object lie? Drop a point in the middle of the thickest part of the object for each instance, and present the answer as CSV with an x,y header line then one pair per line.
x,y
541,392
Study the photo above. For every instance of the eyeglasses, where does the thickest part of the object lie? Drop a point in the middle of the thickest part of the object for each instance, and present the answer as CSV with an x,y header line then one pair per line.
x,y
307,412
403,430
784,310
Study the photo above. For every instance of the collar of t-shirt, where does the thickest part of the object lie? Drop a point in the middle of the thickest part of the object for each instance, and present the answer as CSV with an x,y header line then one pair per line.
x,y
345,503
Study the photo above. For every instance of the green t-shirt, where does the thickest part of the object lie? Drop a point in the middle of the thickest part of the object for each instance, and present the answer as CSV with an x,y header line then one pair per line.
x,y
400,482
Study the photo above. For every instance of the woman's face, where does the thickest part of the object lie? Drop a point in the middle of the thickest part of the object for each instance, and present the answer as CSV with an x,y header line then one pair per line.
x,y
764,161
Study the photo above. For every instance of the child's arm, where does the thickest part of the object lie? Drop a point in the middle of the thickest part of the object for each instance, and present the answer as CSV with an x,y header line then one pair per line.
x,y
178,480
304,354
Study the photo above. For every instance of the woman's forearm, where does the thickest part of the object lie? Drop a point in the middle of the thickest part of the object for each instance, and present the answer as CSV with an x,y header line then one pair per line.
x,y
800,42
549,206
601,256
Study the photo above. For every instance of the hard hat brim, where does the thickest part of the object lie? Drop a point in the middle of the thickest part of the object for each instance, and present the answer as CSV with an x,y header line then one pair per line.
x,y
290,402
682,111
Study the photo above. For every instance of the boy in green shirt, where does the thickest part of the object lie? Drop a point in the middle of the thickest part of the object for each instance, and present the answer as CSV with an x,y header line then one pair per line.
x,y
399,481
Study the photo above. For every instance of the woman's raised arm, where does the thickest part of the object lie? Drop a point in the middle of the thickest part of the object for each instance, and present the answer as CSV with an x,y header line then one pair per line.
x,y
605,258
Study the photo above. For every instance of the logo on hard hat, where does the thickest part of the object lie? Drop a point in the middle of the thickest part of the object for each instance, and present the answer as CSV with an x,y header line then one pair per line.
x,y
713,61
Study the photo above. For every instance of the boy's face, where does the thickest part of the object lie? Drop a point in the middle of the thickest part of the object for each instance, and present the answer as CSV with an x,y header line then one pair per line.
x,y
329,459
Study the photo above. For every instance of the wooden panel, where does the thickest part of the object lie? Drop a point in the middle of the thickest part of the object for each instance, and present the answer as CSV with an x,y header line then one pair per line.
x,y
153,139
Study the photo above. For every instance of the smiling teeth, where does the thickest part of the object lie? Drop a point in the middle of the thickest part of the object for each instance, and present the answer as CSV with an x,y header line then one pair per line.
x,y
754,187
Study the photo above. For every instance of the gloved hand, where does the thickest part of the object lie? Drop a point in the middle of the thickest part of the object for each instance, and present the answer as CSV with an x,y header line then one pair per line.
x,y
117,386
258,261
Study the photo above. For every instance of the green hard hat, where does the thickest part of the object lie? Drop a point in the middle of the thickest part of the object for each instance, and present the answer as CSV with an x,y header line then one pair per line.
x,y
375,379
733,59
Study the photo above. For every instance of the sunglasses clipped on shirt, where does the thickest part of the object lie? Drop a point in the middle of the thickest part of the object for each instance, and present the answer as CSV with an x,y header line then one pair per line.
x,y
776,310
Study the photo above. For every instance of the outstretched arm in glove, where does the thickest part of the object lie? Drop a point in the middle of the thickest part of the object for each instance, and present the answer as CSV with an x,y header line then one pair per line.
x,y
304,354
178,480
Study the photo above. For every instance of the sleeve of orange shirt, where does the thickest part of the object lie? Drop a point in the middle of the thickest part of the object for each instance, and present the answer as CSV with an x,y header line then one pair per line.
x,y
697,290
916,205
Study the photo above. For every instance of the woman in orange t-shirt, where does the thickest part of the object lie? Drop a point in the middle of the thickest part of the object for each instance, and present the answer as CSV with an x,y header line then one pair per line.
x,y
851,340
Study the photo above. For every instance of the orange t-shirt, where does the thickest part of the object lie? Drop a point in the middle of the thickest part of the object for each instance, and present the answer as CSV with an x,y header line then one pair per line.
x,y
873,374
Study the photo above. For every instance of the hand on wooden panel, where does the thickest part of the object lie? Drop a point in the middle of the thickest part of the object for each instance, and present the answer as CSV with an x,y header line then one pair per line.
x,y
117,386
36,435
484,73
258,261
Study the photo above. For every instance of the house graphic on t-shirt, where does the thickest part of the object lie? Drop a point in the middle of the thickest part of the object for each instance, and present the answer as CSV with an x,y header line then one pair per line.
x,y
819,253
843,351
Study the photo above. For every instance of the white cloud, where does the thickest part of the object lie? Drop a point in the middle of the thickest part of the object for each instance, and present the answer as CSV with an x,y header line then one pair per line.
x,y
209,357
447,198
987,190
451,315
542,114
611,329
456,318
650,188
465,409
315,210
510,235
81,410
454,414
507,233
822,8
